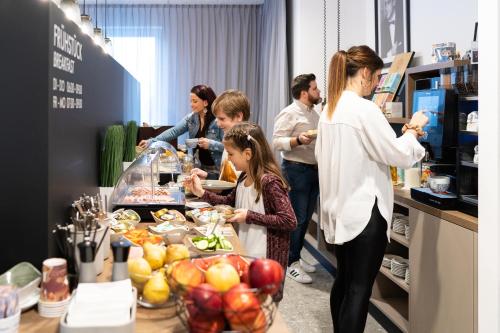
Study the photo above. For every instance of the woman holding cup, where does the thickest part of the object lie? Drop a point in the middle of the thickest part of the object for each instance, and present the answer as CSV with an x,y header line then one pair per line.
x,y
204,134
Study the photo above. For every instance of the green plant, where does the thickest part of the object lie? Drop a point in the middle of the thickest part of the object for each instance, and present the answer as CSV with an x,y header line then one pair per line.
x,y
130,140
112,155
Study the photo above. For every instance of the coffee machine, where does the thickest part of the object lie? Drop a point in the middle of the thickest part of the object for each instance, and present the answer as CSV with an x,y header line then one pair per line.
x,y
440,142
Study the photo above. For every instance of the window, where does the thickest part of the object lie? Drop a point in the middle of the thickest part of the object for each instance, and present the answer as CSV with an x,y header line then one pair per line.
x,y
138,56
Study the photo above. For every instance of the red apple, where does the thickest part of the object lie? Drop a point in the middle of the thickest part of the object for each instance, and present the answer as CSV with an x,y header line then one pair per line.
x,y
267,275
205,299
184,276
206,324
259,325
242,308
222,276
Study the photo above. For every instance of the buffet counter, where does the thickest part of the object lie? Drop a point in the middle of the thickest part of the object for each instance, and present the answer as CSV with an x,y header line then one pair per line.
x,y
147,320
404,198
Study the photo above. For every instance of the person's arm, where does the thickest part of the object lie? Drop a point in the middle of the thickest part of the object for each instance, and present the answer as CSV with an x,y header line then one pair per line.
x,y
283,128
279,212
381,143
216,199
173,132
215,145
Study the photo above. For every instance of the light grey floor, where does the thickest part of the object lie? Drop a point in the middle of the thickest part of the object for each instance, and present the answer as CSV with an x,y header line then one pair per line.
x,y
306,307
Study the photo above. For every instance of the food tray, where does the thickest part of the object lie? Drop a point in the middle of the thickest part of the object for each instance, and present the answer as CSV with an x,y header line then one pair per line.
x,y
189,241
128,327
178,219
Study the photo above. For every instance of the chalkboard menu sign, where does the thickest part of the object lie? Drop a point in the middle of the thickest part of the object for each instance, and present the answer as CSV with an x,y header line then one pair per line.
x,y
58,93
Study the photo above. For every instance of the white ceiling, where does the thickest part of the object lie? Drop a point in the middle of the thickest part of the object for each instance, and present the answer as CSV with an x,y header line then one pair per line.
x,y
179,2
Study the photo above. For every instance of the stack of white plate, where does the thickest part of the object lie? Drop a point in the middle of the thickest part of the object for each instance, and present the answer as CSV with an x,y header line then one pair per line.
x,y
399,223
386,262
52,309
399,266
407,232
407,276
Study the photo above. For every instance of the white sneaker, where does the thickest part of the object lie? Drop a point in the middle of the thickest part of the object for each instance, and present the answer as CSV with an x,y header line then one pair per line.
x,y
296,273
307,267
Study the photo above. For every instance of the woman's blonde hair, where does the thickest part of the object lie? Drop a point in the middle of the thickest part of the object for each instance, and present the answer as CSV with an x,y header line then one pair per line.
x,y
346,64
249,135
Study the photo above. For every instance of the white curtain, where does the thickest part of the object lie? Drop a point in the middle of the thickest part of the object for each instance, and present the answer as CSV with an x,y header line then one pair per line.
x,y
171,48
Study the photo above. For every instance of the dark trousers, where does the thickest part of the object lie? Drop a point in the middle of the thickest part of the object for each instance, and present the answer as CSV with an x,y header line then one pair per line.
x,y
358,262
304,184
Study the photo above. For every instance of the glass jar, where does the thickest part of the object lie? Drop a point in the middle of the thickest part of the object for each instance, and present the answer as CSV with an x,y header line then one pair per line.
x,y
187,164
445,78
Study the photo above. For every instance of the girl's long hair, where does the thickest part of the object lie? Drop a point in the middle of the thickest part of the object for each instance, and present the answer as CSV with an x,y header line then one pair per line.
x,y
249,135
346,64
205,93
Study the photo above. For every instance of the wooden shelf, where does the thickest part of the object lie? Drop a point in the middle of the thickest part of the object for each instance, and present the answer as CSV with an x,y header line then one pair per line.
x,y
436,67
397,280
396,309
398,120
401,239
469,164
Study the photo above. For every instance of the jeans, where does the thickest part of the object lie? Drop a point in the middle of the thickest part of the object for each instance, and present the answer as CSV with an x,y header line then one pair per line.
x,y
304,184
358,262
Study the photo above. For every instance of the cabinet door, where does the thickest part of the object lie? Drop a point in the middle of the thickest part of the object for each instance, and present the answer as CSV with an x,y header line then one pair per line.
x,y
441,275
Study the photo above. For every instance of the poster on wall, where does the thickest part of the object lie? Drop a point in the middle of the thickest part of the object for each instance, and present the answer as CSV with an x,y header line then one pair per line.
x,y
392,28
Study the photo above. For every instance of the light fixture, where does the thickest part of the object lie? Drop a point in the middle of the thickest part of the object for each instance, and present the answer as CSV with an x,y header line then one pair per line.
x,y
98,37
72,10
86,25
107,41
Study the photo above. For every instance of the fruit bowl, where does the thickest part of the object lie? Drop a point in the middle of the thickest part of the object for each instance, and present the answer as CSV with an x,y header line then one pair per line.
x,y
152,292
225,292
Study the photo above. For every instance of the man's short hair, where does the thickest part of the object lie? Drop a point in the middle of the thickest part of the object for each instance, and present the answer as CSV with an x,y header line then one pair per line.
x,y
301,83
232,102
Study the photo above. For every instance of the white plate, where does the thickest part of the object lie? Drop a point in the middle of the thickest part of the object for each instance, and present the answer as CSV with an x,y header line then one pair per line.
x,y
30,301
210,184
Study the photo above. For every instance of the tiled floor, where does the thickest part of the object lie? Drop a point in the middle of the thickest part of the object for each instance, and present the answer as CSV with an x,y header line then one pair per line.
x,y
306,308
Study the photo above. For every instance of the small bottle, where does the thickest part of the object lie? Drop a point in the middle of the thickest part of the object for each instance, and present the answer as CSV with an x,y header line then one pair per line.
x,y
88,272
121,250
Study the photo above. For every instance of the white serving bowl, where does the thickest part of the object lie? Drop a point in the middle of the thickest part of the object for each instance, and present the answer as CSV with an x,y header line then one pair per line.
x,y
439,184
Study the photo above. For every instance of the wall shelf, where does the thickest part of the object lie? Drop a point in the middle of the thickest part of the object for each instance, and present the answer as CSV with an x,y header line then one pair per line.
x,y
395,308
469,133
469,164
468,98
401,239
397,280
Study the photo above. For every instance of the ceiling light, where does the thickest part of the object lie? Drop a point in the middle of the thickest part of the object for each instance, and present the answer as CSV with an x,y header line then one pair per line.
x,y
72,10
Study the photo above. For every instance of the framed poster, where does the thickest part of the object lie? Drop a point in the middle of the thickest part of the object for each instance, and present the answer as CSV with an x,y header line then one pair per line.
x,y
392,28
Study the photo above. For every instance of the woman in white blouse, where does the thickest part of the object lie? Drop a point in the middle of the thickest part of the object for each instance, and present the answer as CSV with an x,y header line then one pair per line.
x,y
355,147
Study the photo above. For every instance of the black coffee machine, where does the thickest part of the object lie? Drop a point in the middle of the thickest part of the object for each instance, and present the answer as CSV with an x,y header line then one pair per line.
x,y
440,143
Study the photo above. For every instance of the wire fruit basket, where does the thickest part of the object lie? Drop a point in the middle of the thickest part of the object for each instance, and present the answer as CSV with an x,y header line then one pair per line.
x,y
218,293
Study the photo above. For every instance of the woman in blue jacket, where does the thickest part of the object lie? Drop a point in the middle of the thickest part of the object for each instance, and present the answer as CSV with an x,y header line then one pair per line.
x,y
200,124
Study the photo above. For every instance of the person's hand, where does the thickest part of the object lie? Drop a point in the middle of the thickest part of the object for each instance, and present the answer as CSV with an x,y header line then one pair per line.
x,y
203,143
143,144
193,185
304,138
200,173
419,119
240,216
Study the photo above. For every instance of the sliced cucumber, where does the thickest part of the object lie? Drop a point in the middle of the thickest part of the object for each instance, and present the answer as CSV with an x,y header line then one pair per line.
x,y
202,244
226,245
212,244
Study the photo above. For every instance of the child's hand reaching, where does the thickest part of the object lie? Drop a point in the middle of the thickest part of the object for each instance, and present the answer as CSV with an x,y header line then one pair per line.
x,y
200,173
240,216
193,184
